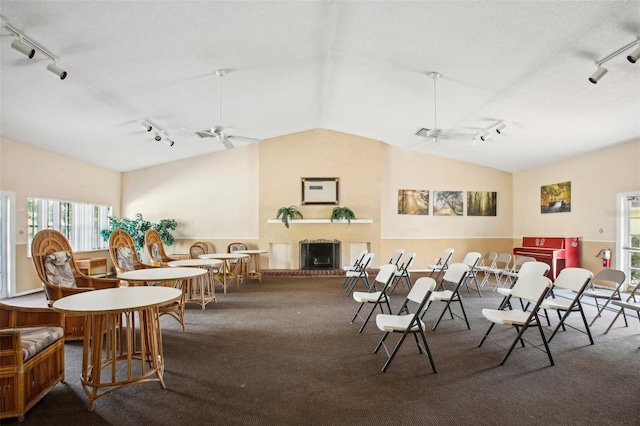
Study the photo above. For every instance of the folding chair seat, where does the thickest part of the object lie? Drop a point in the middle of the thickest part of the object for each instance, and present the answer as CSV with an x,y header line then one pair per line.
x,y
359,274
406,322
540,269
441,264
500,265
575,280
471,259
402,273
512,273
632,302
533,289
378,298
455,276
606,285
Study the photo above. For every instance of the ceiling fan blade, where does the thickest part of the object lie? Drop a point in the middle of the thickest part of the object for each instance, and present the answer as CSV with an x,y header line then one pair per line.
x,y
227,144
243,139
205,134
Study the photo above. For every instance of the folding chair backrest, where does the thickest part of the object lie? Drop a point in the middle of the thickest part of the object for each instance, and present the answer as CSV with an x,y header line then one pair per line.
x,y
409,262
489,258
366,261
421,289
471,259
446,256
609,278
385,274
395,258
503,260
574,279
534,268
456,273
360,257
531,287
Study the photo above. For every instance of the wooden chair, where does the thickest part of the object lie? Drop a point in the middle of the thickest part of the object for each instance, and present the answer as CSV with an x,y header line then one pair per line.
x,y
125,258
56,266
197,249
244,267
155,249
31,356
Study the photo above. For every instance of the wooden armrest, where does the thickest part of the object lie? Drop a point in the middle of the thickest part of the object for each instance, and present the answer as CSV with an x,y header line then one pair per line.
x,y
24,316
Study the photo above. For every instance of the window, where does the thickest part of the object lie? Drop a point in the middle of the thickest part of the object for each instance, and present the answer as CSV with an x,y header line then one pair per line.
x,y
629,236
81,223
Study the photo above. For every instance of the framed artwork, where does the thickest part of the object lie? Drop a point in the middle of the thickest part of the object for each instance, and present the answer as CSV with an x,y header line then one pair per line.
x,y
555,198
413,201
482,203
448,203
320,190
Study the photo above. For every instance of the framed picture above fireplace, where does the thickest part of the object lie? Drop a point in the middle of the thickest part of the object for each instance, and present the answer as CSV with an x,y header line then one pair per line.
x,y
320,190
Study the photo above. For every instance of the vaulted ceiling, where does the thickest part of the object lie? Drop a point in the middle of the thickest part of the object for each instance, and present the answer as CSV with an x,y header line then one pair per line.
x,y
352,66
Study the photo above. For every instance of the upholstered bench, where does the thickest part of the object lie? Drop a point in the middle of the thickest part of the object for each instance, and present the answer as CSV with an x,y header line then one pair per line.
x,y
31,356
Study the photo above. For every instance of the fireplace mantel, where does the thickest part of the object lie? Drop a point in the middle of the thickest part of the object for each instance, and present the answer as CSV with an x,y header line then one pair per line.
x,y
310,221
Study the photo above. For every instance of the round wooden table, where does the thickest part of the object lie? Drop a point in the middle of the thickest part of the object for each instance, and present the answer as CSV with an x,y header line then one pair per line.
x,y
255,270
111,337
203,292
231,271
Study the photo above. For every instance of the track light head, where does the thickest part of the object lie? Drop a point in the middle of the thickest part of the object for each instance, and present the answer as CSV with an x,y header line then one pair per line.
x,y
23,48
147,126
169,142
158,137
55,69
596,76
633,56
484,136
501,128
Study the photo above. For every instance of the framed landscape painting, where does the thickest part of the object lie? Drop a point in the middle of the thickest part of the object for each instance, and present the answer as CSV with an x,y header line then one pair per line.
x,y
555,198
482,203
413,201
448,203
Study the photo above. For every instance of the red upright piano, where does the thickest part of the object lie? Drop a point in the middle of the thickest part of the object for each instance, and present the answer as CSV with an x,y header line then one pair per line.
x,y
557,252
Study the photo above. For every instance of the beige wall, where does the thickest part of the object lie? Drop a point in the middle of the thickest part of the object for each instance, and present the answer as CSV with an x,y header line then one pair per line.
x,y
29,171
595,178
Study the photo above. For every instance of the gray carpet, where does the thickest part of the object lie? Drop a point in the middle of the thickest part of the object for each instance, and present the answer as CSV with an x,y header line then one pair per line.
x,y
283,353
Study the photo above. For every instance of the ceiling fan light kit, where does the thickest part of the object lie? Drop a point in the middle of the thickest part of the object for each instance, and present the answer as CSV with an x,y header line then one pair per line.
x,y
632,57
28,47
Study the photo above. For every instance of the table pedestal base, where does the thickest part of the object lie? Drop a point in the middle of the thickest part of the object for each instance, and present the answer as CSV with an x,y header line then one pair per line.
x,y
116,354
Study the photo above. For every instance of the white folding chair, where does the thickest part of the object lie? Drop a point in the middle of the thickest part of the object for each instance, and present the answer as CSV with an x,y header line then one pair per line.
x,y
500,265
406,322
487,262
540,269
471,259
533,289
575,280
632,302
359,274
402,273
354,267
606,285
455,276
378,298
441,264
395,257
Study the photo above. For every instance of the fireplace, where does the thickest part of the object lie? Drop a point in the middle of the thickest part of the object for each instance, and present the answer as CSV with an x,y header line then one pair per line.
x,y
320,254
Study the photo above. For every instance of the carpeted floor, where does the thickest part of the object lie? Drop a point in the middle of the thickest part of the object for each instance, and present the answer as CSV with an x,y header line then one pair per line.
x,y
283,353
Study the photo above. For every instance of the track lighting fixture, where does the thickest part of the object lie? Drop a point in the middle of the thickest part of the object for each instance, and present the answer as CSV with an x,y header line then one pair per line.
x,y
23,48
160,134
57,70
28,47
484,136
632,57
169,142
148,127
501,128
158,137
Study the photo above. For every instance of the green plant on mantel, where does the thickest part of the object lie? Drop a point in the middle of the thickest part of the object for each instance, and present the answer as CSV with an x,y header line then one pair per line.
x,y
288,213
340,213
138,227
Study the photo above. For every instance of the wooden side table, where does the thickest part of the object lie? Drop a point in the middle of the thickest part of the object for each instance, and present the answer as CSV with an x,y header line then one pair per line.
x,y
89,264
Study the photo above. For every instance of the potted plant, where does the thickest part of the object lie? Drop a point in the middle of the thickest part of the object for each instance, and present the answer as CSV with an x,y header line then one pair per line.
x,y
137,228
288,213
340,213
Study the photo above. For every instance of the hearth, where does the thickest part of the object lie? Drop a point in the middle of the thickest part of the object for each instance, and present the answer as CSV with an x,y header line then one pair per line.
x,y
320,254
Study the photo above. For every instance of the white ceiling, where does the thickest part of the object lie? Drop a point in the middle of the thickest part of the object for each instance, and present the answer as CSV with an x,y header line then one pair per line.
x,y
352,66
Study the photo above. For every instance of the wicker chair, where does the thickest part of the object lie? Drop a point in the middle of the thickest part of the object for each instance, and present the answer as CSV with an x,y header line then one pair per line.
x,y
125,258
155,249
244,269
197,249
56,266
31,357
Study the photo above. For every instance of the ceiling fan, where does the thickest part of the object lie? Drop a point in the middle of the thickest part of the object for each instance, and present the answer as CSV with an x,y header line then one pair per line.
x,y
435,134
223,133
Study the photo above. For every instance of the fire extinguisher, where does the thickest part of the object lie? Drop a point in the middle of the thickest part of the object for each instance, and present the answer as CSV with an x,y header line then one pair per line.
x,y
606,257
